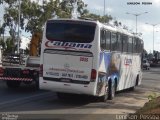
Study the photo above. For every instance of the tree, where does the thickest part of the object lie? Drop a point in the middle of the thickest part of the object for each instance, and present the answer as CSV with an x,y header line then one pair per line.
x,y
9,45
116,23
68,6
34,15
2,43
11,19
103,19
2,30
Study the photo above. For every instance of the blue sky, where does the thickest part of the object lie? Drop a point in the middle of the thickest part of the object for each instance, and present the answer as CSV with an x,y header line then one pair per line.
x,y
118,8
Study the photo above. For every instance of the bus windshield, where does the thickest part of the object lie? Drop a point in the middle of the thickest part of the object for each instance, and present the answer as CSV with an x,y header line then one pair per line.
x,y
70,31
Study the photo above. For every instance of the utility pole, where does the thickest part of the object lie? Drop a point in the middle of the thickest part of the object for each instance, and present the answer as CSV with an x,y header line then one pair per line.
x,y
104,7
153,25
104,12
19,20
0,27
136,15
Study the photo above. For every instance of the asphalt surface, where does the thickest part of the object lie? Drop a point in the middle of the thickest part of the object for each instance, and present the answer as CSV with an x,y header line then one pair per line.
x,y
28,103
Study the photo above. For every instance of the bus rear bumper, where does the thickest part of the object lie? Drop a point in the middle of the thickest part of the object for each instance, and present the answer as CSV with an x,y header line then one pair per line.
x,y
88,89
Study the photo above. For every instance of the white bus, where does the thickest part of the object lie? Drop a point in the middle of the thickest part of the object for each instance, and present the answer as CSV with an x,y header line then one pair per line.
x,y
88,57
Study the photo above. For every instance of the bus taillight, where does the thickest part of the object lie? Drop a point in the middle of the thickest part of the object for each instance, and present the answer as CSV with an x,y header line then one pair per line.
x,y
41,71
93,74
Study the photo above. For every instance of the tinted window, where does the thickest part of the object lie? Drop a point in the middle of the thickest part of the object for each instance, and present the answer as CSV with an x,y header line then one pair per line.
x,y
119,42
108,40
137,45
113,42
130,44
70,31
125,43
134,45
103,39
142,45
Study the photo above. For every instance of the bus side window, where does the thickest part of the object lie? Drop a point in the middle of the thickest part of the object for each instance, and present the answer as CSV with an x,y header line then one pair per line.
x,y
103,39
119,42
125,43
137,45
130,45
113,42
134,45
108,40
142,45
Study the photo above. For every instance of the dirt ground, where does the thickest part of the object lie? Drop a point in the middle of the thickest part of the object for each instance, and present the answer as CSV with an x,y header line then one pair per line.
x,y
151,107
150,111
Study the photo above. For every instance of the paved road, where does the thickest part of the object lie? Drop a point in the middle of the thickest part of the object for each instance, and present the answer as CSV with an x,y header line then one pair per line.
x,y
26,100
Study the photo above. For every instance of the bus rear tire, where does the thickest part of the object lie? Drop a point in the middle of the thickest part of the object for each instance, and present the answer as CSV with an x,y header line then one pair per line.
x,y
111,90
13,84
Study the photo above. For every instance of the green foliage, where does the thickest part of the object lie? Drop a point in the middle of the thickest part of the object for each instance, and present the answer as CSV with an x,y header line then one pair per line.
x,y
2,43
152,96
2,29
34,15
67,8
116,23
9,45
103,19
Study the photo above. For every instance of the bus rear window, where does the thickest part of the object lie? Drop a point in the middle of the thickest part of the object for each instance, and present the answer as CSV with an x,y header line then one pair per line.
x,y
70,31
